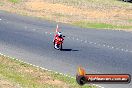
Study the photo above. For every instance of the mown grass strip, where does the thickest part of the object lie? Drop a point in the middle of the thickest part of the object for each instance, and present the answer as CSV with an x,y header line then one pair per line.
x,y
14,1
84,24
1,3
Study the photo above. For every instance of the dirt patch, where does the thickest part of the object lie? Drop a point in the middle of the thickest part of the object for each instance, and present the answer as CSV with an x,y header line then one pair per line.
x,y
67,14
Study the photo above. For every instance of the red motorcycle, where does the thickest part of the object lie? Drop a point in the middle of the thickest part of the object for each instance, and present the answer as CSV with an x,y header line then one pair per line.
x,y
58,43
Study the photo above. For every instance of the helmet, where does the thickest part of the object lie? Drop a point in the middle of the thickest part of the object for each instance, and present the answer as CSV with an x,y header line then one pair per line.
x,y
59,34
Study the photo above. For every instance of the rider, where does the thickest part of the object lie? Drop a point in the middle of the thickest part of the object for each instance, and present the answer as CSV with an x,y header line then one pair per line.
x,y
58,37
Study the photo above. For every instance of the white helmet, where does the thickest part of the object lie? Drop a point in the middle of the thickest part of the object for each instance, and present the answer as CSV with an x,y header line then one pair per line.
x,y
59,34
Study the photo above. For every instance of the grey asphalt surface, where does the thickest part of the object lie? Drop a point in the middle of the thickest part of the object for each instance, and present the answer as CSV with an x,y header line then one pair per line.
x,y
98,51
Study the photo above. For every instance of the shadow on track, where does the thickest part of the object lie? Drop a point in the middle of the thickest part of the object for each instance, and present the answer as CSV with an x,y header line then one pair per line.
x,y
129,1
69,50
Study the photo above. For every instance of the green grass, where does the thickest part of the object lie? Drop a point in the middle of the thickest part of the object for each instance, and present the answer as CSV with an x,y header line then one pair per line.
x,y
11,69
84,24
61,15
14,1
130,20
1,3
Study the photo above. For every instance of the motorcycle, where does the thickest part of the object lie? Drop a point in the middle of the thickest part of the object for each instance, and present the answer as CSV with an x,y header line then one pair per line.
x,y
59,43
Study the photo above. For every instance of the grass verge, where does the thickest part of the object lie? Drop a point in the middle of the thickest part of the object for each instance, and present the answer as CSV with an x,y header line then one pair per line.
x,y
84,24
1,3
28,76
14,1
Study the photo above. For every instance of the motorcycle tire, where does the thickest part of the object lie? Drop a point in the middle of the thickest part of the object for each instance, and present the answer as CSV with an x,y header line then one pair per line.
x,y
61,47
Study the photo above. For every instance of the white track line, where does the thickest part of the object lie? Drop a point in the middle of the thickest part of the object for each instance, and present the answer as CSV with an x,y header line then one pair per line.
x,y
90,42
126,50
34,29
25,27
104,45
98,86
85,41
122,49
68,37
117,48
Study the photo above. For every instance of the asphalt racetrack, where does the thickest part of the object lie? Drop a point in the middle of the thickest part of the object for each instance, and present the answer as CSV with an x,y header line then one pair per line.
x,y
98,51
